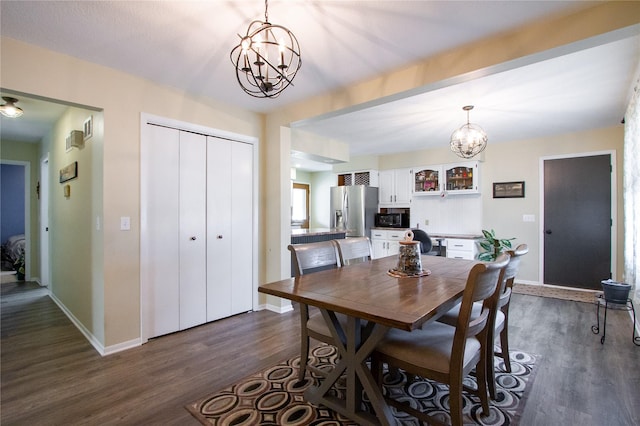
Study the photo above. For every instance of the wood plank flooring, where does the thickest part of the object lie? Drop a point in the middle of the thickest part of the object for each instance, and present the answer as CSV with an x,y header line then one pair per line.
x,y
50,375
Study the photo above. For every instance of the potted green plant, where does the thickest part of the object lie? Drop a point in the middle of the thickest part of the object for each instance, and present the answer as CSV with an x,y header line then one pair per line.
x,y
18,265
493,246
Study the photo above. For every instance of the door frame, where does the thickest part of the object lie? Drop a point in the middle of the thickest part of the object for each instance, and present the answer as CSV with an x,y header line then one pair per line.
x,y
614,204
145,119
45,262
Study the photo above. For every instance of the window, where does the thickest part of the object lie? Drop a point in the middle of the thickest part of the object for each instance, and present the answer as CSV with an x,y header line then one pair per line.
x,y
300,206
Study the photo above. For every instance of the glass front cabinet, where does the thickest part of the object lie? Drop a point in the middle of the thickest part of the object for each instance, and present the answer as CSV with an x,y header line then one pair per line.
x,y
462,178
427,180
455,178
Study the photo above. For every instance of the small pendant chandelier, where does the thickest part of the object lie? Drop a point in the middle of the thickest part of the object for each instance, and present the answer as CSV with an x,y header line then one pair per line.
x,y
267,58
469,140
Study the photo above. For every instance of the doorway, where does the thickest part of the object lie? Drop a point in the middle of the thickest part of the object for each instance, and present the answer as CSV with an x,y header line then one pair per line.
x,y
577,224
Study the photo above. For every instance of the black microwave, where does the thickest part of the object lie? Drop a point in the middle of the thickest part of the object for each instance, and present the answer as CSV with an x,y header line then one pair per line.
x,y
392,220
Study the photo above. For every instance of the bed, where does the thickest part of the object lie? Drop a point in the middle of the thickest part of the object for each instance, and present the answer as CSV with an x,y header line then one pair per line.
x,y
12,250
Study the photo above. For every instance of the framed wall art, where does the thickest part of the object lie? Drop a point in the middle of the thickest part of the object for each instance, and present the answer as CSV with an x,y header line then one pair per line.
x,y
508,189
69,172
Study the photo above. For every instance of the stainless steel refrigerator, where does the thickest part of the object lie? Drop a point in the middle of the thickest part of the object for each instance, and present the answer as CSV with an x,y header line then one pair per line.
x,y
353,208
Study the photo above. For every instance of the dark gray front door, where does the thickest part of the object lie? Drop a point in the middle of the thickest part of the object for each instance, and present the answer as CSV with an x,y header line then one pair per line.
x,y
577,221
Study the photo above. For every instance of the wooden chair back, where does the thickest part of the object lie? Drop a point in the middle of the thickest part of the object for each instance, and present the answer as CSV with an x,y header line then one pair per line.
x,y
510,273
311,257
482,286
354,250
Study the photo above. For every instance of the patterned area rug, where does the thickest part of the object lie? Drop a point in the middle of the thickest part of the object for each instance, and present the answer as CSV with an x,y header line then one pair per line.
x,y
275,397
585,296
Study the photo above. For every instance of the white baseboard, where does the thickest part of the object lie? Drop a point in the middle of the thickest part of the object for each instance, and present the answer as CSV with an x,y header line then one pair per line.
x,y
275,308
90,337
85,332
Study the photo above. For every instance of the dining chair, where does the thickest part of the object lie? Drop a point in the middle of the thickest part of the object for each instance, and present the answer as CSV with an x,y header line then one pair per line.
x,y
447,353
309,258
354,250
426,244
500,320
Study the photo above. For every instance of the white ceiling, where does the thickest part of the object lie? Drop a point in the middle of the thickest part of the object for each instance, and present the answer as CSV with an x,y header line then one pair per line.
x,y
186,45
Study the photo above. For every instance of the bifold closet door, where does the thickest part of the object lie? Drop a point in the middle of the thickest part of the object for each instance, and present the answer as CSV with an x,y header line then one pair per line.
x,y
160,220
229,227
193,230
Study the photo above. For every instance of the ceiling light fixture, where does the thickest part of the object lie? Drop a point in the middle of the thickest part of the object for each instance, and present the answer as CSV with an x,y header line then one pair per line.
x,y
469,140
10,109
267,58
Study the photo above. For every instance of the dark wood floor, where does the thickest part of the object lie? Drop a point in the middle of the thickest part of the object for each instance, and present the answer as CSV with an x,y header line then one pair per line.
x,y
50,375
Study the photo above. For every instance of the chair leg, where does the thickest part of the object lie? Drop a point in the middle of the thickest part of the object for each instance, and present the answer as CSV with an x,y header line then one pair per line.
x,y
504,346
455,403
304,342
491,373
481,377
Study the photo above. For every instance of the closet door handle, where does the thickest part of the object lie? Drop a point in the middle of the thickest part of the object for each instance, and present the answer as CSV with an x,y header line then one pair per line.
x,y
219,237
192,238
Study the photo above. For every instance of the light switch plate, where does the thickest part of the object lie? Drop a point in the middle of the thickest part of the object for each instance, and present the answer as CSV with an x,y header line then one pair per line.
x,y
125,223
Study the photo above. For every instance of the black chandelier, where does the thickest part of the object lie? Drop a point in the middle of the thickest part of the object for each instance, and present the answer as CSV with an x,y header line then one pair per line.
x,y
469,140
267,58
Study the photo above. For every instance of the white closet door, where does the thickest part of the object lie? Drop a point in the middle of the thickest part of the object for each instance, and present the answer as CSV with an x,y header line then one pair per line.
x,y
193,273
219,237
241,227
160,224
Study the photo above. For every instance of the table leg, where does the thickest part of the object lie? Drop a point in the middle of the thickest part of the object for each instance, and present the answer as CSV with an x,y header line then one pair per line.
x,y
354,345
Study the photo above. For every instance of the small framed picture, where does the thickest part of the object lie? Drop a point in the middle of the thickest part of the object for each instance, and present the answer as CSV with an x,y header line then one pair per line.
x,y
69,172
508,189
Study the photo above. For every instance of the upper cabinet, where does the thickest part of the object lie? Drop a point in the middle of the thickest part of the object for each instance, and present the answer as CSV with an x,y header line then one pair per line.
x,y
365,177
427,180
455,178
395,188
462,178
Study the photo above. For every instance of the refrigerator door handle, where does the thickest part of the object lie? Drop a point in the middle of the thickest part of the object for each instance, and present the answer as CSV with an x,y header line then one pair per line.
x,y
345,204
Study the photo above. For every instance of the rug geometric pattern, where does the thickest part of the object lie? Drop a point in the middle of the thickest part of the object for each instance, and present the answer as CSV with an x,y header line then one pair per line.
x,y
275,396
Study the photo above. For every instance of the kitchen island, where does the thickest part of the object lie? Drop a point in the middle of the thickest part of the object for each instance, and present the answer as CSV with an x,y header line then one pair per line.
x,y
314,235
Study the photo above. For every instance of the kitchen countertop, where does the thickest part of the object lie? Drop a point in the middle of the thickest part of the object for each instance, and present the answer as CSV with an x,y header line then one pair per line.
x,y
316,231
436,234
458,236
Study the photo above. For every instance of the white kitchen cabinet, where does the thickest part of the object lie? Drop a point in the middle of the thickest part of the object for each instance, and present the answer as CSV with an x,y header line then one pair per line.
x,y
386,242
459,248
395,188
462,178
196,229
428,180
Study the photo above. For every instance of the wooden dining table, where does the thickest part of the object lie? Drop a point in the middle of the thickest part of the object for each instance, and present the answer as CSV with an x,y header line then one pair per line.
x,y
373,302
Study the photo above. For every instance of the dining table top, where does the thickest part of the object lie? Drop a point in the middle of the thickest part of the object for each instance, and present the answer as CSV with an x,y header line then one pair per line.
x,y
367,291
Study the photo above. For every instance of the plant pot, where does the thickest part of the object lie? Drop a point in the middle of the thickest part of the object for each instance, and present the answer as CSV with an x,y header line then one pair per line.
x,y
615,292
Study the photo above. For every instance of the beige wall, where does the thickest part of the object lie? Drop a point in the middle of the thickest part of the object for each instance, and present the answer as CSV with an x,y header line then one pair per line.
x,y
539,41
122,98
28,152
516,161
75,242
